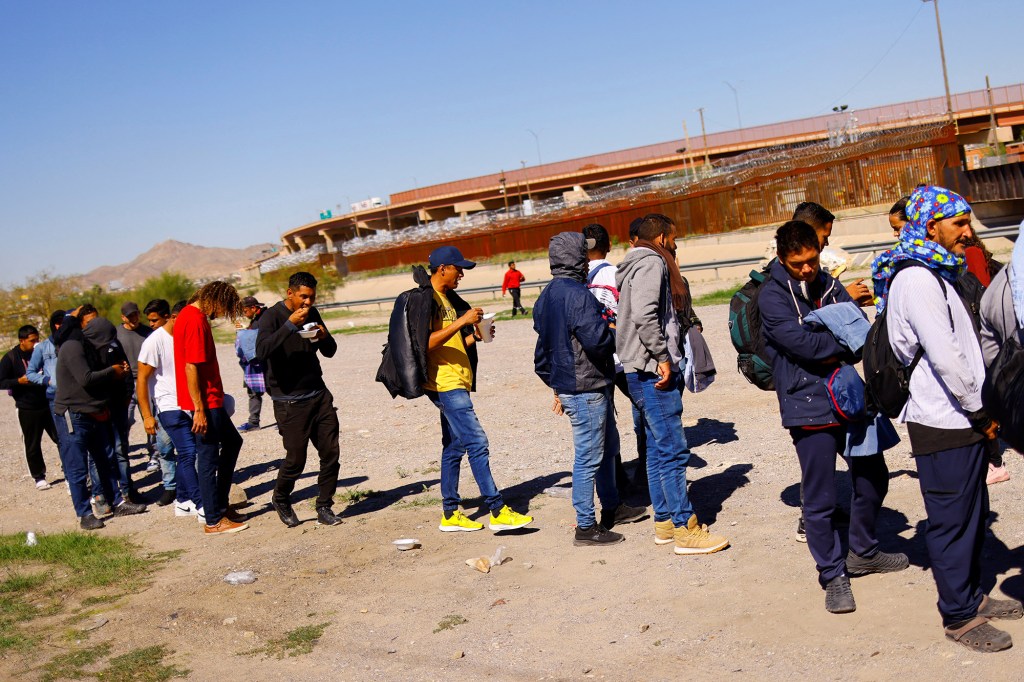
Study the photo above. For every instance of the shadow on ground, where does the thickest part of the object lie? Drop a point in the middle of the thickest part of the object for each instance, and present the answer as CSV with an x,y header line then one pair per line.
x,y
708,494
710,431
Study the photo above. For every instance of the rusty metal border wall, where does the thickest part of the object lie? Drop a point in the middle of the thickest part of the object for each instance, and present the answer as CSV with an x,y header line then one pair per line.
x,y
761,188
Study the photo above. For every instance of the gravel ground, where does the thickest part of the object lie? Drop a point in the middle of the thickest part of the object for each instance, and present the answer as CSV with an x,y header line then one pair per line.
x,y
631,611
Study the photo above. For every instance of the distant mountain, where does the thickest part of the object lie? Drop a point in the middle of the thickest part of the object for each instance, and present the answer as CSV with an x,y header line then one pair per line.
x,y
199,262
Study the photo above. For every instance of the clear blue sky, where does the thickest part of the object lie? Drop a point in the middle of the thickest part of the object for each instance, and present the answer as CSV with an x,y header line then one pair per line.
x,y
227,123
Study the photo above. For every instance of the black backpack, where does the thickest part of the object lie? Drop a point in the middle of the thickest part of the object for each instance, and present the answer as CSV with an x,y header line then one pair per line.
x,y
745,332
1002,394
970,289
886,379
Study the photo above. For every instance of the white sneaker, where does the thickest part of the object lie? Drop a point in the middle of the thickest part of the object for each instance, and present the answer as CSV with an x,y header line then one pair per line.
x,y
186,508
41,484
200,516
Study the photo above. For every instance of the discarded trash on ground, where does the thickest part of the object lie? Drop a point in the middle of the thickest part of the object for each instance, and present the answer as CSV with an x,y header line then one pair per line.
x,y
485,564
559,491
240,578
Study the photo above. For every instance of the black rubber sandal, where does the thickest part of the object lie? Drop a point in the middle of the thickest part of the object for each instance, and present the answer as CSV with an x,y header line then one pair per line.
x,y
977,635
1004,609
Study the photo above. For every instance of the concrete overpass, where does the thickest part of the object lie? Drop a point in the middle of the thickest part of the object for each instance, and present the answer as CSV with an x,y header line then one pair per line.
x,y
973,112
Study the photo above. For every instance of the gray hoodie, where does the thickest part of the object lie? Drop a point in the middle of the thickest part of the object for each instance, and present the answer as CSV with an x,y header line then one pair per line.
x,y
84,381
647,331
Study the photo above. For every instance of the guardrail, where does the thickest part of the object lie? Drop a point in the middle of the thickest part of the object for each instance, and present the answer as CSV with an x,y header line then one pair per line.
x,y
1009,231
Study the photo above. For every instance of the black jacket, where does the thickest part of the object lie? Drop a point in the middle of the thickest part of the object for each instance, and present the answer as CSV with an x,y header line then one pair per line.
x,y
26,396
293,369
403,368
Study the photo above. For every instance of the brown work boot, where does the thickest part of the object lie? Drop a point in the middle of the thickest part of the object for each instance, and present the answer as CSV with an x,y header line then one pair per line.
x,y
664,532
225,526
696,539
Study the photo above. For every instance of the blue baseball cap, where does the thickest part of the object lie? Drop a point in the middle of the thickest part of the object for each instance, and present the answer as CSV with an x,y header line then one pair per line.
x,y
449,255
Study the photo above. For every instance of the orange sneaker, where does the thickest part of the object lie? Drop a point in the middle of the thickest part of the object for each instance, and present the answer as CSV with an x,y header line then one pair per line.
x,y
225,526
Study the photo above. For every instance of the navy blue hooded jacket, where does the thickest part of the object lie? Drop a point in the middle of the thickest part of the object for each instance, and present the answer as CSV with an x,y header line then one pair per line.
x,y
575,346
795,352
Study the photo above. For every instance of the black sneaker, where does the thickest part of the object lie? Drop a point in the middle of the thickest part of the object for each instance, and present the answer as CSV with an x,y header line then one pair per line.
x,y
801,534
839,596
168,497
90,522
326,517
596,535
622,514
879,562
285,513
129,509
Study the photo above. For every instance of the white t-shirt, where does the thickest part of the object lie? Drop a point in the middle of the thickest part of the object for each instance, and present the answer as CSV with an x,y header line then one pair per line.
x,y
158,352
604,277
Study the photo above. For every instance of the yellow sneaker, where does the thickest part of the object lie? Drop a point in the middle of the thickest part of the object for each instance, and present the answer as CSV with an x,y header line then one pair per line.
x,y
664,532
458,521
697,539
506,519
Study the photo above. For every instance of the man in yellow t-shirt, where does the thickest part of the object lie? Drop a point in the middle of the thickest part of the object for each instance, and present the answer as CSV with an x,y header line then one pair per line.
x,y
448,383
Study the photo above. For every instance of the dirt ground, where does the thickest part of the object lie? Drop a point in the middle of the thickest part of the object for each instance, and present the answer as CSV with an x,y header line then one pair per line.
x,y
628,612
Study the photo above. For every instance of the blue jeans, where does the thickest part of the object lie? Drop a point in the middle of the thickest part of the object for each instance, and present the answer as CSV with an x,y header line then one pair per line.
x,y
178,427
461,434
95,439
667,452
119,418
596,440
217,453
165,453
63,443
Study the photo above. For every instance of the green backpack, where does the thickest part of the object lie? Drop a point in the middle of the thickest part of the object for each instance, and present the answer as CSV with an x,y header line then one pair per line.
x,y
745,332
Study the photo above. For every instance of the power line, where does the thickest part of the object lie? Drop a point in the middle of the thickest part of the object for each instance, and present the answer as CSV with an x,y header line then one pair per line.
x,y
879,62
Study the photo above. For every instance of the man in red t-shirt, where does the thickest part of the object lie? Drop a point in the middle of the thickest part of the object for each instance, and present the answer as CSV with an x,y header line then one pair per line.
x,y
513,278
200,391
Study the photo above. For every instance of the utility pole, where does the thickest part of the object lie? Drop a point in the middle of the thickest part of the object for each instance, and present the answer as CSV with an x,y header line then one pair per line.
x,y
504,191
704,133
942,56
527,179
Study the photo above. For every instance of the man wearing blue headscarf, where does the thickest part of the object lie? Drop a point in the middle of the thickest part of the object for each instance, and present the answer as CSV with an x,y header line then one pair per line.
x,y
947,425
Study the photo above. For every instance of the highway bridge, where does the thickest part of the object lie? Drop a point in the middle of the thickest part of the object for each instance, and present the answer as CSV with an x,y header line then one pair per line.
x,y
973,113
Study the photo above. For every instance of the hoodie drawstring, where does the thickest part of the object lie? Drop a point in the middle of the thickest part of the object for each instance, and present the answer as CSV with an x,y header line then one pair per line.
x,y
796,305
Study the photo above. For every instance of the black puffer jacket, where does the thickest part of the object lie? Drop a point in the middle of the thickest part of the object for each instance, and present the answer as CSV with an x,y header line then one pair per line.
x,y
403,368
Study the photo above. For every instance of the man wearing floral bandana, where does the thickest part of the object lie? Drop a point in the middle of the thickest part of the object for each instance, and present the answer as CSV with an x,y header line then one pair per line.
x,y
947,426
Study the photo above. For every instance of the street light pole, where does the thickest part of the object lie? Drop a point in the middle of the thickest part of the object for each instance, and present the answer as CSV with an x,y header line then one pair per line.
x,y
736,96
704,134
693,165
942,56
527,179
536,141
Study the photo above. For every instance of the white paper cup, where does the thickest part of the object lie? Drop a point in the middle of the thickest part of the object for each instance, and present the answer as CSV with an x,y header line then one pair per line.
x,y
487,328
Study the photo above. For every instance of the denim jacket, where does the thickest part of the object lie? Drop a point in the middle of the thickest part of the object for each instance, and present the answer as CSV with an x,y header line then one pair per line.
x,y
42,368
